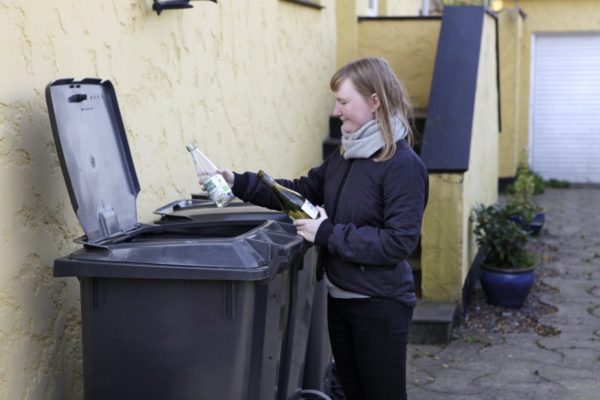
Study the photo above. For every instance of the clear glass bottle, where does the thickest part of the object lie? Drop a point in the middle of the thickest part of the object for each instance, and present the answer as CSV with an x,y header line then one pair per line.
x,y
217,188
292,203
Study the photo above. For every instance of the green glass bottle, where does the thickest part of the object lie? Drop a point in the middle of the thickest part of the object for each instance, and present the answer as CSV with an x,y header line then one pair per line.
x,y
292,203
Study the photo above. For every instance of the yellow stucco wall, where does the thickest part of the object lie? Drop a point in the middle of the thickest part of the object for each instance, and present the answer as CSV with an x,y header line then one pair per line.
x,y
442,238
247,81
410,47
347,31
348,35
481,185
510,23
547,16
447,243
400,7
361,6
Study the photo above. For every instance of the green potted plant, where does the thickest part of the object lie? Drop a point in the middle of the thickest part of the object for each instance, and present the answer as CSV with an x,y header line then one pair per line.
x,y
539,184
522,208
507,270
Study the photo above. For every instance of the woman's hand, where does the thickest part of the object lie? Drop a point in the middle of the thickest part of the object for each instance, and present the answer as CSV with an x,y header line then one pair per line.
x,y
224,172
228,175
307,228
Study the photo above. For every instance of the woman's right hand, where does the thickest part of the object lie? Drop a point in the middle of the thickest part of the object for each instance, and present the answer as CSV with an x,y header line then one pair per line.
x,y
224,172
228,175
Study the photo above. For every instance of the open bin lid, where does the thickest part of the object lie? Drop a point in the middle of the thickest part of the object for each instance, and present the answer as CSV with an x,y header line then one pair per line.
x,y
94,155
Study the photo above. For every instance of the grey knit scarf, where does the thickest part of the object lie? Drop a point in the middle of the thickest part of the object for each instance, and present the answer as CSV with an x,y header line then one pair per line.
x,y
368,139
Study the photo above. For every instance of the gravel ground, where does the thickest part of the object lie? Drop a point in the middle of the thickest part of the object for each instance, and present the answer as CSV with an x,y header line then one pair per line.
x,y
484,318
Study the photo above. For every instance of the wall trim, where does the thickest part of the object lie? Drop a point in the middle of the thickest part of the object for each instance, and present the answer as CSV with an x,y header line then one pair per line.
x,y
447,138
399,18
307,3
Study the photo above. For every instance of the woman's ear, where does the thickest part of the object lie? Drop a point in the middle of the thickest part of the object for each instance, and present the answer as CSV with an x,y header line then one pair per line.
x,y
374,102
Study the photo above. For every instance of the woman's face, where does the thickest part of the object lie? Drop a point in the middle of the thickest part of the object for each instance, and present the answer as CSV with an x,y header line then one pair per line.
x,y
352,108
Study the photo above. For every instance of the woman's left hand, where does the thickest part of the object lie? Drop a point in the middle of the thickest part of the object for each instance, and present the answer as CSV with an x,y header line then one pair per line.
x,y
307,228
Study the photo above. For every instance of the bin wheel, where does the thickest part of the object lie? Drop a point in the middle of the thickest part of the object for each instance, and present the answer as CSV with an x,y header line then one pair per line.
x,y
333,386
309,394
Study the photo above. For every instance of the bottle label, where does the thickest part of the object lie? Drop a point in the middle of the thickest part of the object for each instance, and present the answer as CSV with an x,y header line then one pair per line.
x,y
218,190
310,209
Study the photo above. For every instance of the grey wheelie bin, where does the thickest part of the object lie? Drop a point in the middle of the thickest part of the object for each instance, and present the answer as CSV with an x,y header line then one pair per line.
x,y
209,307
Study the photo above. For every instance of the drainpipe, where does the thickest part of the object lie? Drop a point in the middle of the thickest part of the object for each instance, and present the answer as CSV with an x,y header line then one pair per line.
x,y
425,9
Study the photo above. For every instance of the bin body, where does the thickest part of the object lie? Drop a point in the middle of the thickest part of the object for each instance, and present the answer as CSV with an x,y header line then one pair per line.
x,y
182,339
317,367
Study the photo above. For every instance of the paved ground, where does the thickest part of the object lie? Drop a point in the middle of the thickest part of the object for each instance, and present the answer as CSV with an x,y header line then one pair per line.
x,y
523,366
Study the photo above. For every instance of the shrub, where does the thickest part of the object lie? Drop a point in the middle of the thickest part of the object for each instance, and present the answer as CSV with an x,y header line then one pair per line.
x,y
520,202
556,183
538,181
502,240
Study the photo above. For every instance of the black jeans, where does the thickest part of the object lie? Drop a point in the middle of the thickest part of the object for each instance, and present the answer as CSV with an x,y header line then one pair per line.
x,y
369,338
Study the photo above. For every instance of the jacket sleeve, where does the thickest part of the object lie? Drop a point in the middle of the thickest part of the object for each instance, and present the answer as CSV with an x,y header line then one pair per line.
x,y
248,187
405,192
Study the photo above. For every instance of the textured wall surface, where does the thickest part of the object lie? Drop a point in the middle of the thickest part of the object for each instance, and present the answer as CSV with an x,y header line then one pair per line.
x,y
247,81
390,7
410,47
400,7
481,184
443,237
347,31
361,6
510,24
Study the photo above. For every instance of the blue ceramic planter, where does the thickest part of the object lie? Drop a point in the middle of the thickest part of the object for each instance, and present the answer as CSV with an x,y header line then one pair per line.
x,y
536,224
508,288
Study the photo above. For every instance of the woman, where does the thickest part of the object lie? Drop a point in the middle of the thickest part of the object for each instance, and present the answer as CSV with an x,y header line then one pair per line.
x,y
373,193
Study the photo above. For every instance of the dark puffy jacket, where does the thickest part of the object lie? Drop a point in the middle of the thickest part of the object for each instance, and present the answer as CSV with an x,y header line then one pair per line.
x,y
375,211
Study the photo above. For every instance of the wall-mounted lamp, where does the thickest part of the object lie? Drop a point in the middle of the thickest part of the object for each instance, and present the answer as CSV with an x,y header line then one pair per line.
x,y
497,5
160,5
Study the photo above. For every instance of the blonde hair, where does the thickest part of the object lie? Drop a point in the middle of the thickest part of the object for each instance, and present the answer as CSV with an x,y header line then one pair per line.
x,y
374,75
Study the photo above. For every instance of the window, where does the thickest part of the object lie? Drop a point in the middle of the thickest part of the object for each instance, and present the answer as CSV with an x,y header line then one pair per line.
x,y
372,8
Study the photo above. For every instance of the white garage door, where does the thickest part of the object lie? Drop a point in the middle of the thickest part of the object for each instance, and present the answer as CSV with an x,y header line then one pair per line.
x,y
564,140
